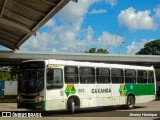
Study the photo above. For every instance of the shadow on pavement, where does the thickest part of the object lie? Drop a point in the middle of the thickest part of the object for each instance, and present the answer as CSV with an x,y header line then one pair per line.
x,y
91,112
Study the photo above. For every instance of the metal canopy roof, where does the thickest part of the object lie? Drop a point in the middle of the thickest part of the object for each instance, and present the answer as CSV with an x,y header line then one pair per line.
x,y
19,19
15,57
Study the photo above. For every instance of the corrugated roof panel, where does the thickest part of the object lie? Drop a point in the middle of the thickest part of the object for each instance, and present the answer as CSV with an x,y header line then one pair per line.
x,y
20,19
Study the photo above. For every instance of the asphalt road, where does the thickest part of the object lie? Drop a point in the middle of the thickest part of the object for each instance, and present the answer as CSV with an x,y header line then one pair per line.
x,y
141,111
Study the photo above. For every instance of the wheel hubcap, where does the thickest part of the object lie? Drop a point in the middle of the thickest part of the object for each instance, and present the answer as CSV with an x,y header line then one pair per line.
x,y
130,102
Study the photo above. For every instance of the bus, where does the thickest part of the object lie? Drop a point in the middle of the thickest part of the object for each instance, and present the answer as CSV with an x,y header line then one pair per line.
x,y
62,84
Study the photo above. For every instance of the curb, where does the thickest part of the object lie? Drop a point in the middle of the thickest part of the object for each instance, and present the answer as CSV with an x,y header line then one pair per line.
x,y
8,100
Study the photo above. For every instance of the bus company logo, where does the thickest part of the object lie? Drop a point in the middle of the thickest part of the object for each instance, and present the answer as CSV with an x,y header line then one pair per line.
x,y
122,90
70,89
131,87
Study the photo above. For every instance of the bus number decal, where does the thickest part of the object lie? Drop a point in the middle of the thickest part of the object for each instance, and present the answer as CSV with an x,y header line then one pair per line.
x,y
81,90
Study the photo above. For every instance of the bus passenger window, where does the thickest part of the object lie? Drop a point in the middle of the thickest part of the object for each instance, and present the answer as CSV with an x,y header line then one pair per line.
x,y
150,77
54,78
141,76
87,75
71,74
130,76
117,75
103,75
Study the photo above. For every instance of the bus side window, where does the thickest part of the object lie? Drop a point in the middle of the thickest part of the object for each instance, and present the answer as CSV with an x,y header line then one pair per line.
x,y
150,77
130,76
87,75
141,76
71,74
103,75
117,75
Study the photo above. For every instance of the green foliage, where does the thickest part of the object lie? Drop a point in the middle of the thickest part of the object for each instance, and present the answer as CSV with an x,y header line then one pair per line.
x,y
151,48
157,71
5,76
9,75
14,72
94,50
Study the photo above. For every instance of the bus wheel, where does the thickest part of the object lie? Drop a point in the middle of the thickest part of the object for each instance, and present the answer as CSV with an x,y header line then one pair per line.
x,y
130,102
71,106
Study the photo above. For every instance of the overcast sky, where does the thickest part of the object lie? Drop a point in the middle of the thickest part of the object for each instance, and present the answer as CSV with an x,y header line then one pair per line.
x,y
99,24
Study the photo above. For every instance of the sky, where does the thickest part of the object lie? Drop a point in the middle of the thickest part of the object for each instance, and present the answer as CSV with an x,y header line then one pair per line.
x,y
120,26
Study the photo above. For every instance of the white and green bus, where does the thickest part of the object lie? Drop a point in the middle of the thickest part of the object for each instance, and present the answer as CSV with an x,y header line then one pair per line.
x,y
59,84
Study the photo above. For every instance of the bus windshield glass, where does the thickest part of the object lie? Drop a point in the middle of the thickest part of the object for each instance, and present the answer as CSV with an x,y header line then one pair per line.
x,y
31,77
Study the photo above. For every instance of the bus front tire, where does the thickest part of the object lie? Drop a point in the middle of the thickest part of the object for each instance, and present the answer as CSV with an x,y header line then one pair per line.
x,y
19,105
71,106
130,102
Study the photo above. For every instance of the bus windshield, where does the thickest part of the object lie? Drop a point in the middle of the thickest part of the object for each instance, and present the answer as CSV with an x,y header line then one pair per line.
x,y
31,78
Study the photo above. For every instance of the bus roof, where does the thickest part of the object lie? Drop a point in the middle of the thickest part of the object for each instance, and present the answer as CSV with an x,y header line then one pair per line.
x,y
92,64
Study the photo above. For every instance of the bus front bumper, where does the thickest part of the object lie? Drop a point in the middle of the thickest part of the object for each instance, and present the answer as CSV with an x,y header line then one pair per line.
x,y
32,106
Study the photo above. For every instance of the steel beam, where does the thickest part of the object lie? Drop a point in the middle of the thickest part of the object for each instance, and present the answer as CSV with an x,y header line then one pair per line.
x,y
55,10
60,5
5,2
27,36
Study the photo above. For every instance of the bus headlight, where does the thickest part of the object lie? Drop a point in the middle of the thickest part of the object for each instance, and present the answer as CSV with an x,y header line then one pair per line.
x,y
40,98
18,98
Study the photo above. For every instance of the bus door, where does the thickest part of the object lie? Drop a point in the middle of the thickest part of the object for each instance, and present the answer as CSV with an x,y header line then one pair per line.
x,y
54,86
118,89
103,87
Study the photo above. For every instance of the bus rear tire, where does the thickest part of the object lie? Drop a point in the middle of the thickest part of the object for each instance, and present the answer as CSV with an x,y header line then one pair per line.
x,y
71,106
130,102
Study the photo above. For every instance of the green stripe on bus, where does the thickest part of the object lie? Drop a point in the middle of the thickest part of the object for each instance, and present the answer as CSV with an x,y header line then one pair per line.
x,y
137,89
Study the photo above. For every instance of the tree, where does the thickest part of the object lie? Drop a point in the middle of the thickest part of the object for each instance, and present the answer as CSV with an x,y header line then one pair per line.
x,y
94,50
151,48
14,72
9,74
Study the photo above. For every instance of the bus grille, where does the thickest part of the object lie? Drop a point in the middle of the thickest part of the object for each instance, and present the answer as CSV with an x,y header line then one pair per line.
x,y
28,97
